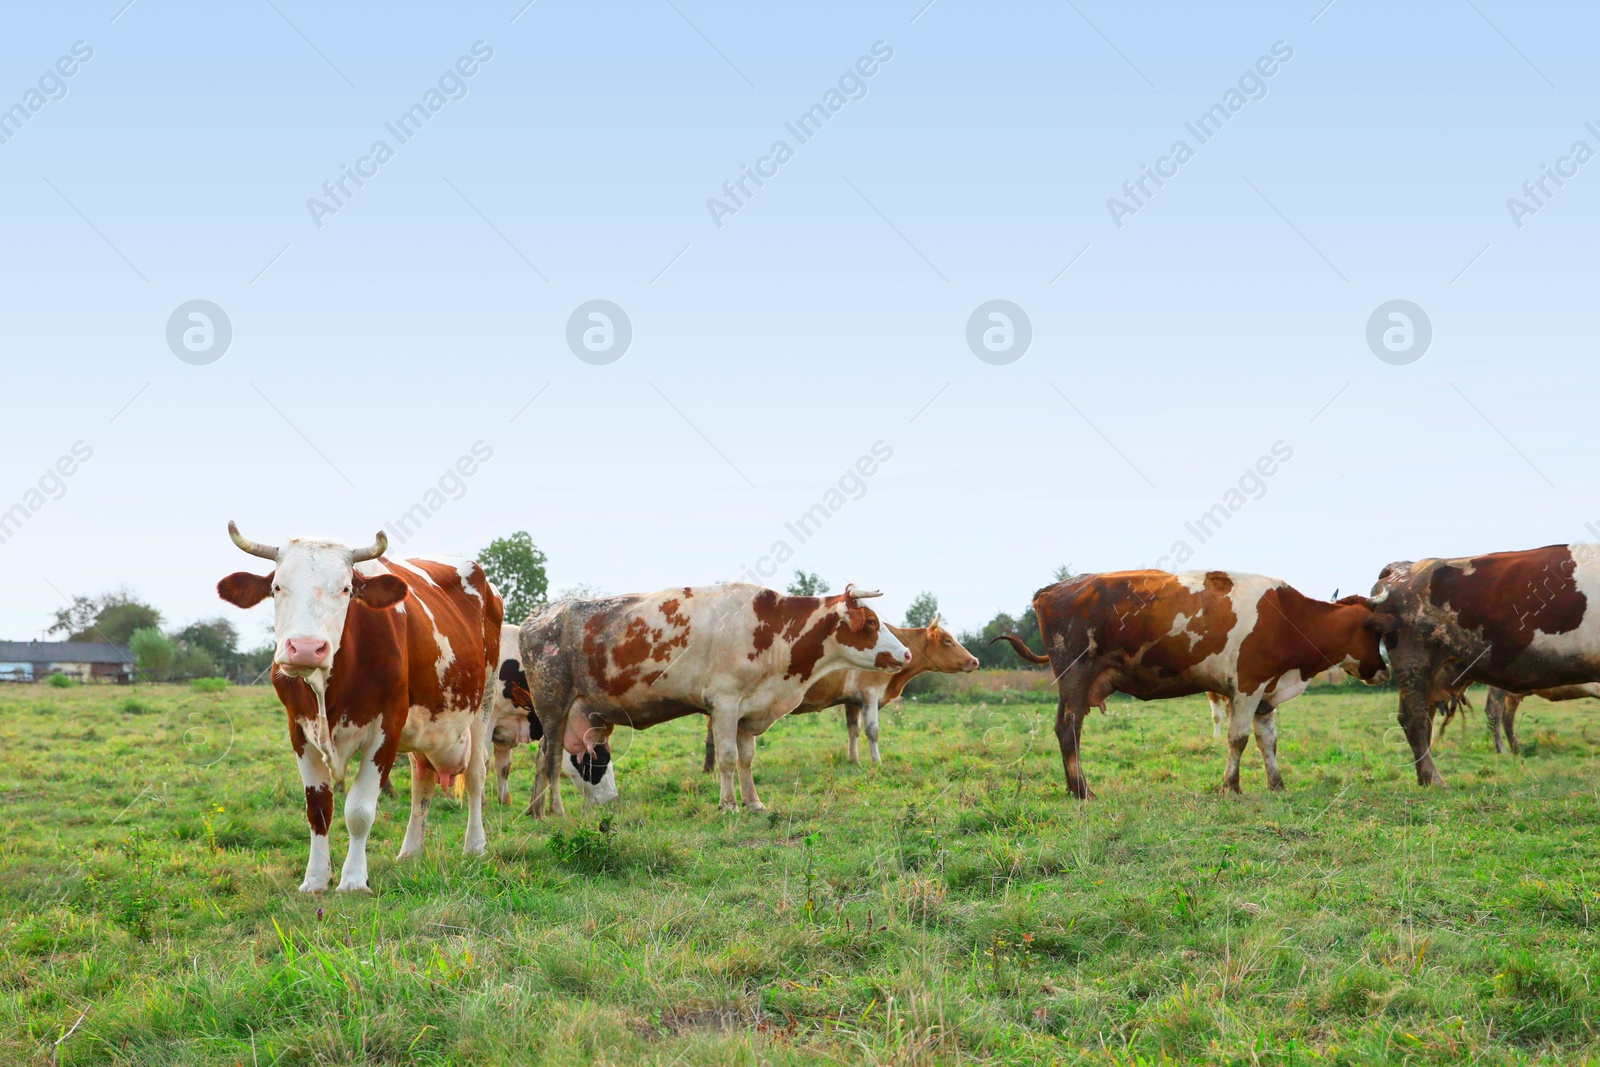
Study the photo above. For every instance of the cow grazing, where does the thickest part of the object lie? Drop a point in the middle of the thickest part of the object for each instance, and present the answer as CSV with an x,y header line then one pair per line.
x,y
740,654
512,723
862,693
1255,640
1500,710
1518,621
373,657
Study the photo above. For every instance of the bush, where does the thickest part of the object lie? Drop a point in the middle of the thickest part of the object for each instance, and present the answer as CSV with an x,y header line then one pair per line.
x,y
62,681
209,685
135,706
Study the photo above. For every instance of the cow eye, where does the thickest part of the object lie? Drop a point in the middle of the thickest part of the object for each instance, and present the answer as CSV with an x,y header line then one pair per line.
x,y
276,588
347,590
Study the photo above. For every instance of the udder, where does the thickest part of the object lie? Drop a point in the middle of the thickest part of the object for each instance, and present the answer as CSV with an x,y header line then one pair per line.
x,y
581,736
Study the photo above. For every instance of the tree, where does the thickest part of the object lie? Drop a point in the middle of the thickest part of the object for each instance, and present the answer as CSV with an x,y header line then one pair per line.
x,y
152,651
515,567
112,616
215,638
1002,656
807,584
922,609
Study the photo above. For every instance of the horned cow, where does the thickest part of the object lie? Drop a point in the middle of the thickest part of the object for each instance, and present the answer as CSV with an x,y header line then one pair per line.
x,y
372,657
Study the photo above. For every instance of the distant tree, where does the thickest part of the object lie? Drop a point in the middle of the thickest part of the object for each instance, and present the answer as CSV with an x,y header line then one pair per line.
x,y
1063,572
112,616
515,567
577,592
215,638
1002,656
922,610
807,584
153,652
192,661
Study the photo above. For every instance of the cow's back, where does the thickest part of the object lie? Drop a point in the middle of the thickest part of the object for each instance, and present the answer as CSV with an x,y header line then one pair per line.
x,y
1165,623
452,620
1524,620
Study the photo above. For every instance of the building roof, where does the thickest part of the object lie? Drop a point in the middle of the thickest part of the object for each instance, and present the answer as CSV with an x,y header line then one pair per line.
x,y
62,652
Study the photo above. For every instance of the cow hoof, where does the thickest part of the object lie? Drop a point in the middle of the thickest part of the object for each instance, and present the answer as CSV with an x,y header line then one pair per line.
x,y
1276,787
756,807
408,853
353,887
473,848
314,886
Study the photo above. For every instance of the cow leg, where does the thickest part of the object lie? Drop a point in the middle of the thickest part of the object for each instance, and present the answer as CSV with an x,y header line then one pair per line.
x,y
319,813
852,725
1219,711
1239,719
1508,721
1266,726
502,773
1492,703
747,779
725,733
1416,719
546,796
360,811
1071,709
869,723
423,783
477,772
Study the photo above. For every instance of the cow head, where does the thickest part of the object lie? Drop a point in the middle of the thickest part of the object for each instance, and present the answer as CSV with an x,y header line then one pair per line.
x,y
312,587
941,652
1366,657
865,642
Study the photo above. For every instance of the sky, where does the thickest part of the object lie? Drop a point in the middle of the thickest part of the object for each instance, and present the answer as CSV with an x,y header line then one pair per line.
x,y
812,344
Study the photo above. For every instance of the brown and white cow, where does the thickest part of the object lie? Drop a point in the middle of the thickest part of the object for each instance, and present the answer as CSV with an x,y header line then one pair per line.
x,y
1500,710
373,657
1518,621
740,654
933,648
1150,634
512,723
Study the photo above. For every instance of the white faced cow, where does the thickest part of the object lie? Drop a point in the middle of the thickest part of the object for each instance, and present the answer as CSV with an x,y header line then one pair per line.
x,y
740,654
373,657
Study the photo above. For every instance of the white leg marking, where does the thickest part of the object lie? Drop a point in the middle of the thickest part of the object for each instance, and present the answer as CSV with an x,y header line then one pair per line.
x,y
423,784
360,809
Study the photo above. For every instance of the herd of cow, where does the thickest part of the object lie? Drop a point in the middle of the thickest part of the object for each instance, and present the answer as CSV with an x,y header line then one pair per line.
x,y
377,656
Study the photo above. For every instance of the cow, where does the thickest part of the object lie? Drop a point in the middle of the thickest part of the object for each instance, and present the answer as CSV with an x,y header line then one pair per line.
x,y
512,723
1500,710
372,657
1518,621
742,655
862,693
1150,634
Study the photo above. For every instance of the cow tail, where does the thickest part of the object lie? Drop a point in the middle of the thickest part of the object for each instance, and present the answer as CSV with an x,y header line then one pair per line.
x,y
711,750
1021,649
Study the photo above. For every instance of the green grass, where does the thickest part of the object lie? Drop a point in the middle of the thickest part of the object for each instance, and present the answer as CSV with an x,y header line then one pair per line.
x,y
954,906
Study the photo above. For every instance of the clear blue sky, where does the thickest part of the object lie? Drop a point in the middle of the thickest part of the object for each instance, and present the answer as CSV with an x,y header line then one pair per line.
x,y
829,312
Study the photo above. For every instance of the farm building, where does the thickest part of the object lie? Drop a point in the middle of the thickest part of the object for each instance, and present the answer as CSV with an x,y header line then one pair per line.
x,y
87,661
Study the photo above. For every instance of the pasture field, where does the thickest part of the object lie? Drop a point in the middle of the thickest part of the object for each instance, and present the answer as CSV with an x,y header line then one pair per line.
x,y
954,906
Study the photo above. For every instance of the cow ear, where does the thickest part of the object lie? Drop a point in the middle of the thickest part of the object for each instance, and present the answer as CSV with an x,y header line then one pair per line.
x,y
856,616
379,591
1383,624
245,590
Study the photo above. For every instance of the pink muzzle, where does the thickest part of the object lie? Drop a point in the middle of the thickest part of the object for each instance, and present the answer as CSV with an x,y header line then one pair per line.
x,y
305,652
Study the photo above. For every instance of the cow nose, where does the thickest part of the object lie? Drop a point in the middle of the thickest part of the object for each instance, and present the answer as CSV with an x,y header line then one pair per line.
x,y
905,656
306,651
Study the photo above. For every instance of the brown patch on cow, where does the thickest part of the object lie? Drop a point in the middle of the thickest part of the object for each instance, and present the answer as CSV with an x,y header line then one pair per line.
x,y
1507,596
860,632
887,661
808,648
776,616
616,663
319,808
1222,581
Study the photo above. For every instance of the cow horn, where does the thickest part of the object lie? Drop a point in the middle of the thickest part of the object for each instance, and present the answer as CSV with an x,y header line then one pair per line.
x,y
255,548
852,593
378,548
1380,598
934,625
